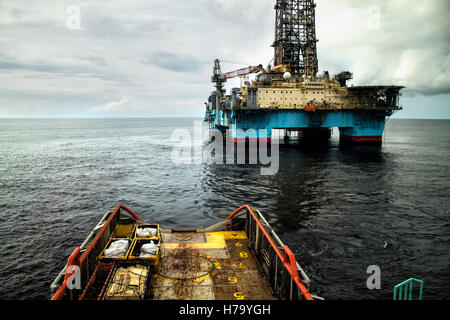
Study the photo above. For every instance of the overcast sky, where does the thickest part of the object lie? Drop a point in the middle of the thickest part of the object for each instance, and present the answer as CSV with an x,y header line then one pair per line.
x,y
155,57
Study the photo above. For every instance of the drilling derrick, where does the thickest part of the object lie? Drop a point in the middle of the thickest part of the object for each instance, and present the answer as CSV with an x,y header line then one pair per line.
x,y
295,36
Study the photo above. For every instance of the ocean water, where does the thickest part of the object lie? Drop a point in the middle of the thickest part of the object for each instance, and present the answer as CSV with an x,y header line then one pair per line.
x,y
335,207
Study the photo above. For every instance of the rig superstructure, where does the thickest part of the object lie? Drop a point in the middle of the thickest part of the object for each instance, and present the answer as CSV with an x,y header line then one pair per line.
x,y
293,96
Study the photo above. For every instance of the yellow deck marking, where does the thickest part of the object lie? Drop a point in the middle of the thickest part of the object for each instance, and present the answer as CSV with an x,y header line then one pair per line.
x,y
214,240
233,235
199,279
239,296
216,264
232,279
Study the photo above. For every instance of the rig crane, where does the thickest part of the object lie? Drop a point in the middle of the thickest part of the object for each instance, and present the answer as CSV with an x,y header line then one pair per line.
x,y
219,78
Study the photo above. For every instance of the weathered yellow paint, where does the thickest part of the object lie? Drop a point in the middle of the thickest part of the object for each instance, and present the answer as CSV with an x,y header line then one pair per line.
x,y
239,296
232,279
244,255
230,235
214,240
216,264
195,280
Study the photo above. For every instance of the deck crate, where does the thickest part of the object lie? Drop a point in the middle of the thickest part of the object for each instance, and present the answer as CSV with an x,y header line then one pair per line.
x,y
136,250
121,258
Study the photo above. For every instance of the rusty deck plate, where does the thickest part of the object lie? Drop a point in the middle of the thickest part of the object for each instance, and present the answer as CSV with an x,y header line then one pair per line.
x,y
208,266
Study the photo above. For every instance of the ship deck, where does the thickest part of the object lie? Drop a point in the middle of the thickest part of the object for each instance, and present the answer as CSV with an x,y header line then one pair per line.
x,y
208,266
239,258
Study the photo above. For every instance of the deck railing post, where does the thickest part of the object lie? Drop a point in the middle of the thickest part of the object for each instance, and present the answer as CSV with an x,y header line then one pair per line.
x,y
410,291
421,288
404,290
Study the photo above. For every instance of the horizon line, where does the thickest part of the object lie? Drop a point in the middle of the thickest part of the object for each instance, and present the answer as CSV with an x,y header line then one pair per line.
x,y
157,117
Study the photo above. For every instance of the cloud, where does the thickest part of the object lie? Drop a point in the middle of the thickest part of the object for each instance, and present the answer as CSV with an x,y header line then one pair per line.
x,y
124,104
175,62
161,53
382,44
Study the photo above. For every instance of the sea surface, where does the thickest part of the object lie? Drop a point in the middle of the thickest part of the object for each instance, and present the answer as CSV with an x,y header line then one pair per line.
x,y
339,209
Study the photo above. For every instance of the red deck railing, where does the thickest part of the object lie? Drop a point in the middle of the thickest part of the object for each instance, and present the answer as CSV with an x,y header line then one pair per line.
x,y
74,257
288,258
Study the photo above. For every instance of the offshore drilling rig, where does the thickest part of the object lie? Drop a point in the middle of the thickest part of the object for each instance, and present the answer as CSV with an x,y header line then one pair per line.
x,y
293,96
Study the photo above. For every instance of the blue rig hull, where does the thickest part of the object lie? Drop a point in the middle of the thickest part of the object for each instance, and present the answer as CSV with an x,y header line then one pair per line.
x,y
355,126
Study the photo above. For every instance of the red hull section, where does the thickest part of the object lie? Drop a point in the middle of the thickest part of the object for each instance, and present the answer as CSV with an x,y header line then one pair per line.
x,y
362,139
247,140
